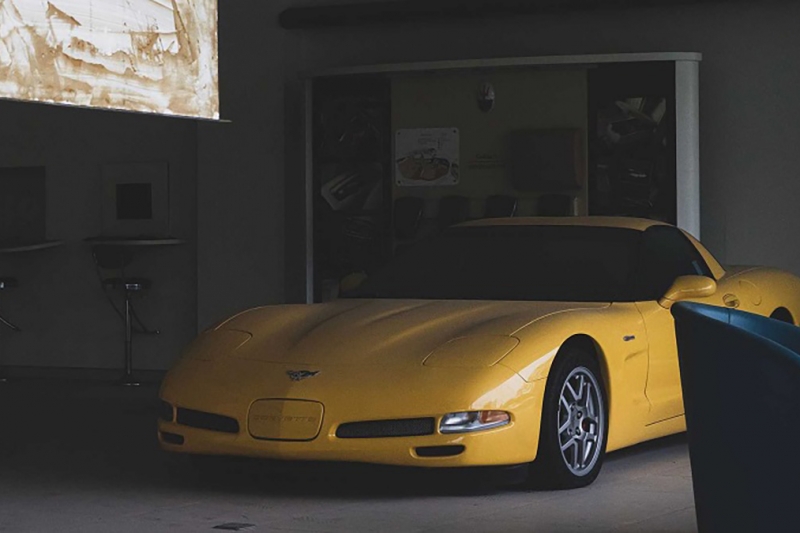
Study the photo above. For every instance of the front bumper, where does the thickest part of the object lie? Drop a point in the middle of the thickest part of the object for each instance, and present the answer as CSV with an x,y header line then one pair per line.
x,y
478,449
349,395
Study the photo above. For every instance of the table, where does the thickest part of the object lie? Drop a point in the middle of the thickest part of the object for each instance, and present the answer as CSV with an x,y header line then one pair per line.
x,y
14,247
134,241
17,247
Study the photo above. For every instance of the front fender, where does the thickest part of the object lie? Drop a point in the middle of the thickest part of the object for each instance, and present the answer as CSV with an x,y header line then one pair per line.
x,y
620,339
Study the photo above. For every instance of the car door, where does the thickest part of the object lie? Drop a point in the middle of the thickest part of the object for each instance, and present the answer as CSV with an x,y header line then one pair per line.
x,y
665,255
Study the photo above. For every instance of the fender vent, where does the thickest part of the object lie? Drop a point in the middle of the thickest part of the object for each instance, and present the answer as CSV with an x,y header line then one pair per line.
x,y
375,429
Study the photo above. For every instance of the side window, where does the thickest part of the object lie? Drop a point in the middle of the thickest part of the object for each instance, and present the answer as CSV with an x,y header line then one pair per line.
x,y
665,255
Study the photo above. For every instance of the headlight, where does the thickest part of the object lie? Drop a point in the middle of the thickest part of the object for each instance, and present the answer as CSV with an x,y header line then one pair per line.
x,y
468,421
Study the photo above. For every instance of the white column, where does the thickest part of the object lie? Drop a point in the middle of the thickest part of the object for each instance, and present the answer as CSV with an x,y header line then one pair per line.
x,y
308,124
687,138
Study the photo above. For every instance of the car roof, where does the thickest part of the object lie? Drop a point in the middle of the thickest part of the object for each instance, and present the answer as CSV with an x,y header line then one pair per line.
x,y
639,224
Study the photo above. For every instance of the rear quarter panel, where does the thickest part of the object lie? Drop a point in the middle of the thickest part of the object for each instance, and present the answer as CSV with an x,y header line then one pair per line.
x,y
762,290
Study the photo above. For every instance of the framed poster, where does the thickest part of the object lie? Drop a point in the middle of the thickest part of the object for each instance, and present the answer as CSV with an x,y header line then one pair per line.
x,y
136,199
23,203
426,157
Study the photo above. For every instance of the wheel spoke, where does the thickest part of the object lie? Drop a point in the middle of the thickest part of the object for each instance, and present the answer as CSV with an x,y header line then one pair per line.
x,y
590,405
588,450
564,403
579,453
571,442
575,395
588,395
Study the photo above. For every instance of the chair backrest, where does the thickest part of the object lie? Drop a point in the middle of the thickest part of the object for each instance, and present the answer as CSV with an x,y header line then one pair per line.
x,y
407,217
112,257
500,206
452,210
554,205
741,388
8,283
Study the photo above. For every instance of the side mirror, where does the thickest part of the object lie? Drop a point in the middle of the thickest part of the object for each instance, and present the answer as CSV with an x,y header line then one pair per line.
x,y
688,288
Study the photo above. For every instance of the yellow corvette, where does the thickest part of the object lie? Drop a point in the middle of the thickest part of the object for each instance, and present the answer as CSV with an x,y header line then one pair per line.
x,y
536,341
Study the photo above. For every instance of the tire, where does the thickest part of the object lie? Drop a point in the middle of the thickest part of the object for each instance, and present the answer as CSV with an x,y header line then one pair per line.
x,y
583,424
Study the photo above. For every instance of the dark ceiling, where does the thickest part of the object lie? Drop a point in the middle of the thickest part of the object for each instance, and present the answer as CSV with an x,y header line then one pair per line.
x,y
407,11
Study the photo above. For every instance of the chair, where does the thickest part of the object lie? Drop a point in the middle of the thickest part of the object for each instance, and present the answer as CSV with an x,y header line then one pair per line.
x,y
117,258
500,206
555,205
741,388
5,284
407,217
452,210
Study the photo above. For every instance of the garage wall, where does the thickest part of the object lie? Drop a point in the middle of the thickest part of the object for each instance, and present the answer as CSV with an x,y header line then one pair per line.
x,y
749,74
240,168
240,184
60,305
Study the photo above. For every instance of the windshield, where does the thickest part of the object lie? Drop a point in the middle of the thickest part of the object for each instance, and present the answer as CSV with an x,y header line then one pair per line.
x,y
545,263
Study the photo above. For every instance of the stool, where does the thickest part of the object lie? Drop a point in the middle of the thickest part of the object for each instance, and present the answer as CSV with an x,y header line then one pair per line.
x,y
500,206
452,210
5,284
117,258
407,217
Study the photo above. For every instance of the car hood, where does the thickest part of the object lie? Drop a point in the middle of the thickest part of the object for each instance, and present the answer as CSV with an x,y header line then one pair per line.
x,y
378,332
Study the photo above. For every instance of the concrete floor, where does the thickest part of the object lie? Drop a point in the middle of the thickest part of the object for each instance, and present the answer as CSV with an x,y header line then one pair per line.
x,y
78,456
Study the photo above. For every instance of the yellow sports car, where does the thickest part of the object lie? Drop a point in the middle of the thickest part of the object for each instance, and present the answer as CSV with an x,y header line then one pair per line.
x,y
540,341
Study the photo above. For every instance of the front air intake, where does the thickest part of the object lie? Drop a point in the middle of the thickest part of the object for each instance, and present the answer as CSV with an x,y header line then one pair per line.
x,y
209,421
172,438
440,451
375,429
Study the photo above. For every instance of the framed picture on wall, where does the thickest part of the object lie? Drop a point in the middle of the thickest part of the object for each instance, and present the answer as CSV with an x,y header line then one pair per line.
x,y
136,199
22,204
426,157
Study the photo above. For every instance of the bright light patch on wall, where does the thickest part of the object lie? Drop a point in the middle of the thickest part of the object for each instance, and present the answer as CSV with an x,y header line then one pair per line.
x,y
157,56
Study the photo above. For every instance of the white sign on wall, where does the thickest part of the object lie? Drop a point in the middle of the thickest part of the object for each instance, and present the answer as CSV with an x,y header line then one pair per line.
x,y
426,156
157,56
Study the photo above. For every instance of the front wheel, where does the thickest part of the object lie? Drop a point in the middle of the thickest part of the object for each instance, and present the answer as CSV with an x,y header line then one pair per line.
x,y
574,430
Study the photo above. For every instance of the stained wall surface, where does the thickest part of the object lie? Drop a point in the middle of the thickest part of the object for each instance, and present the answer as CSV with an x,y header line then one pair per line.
x,y
157,56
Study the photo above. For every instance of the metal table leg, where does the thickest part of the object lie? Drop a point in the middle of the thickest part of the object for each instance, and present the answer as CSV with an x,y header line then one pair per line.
x,y
127,379
14,328
8,324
